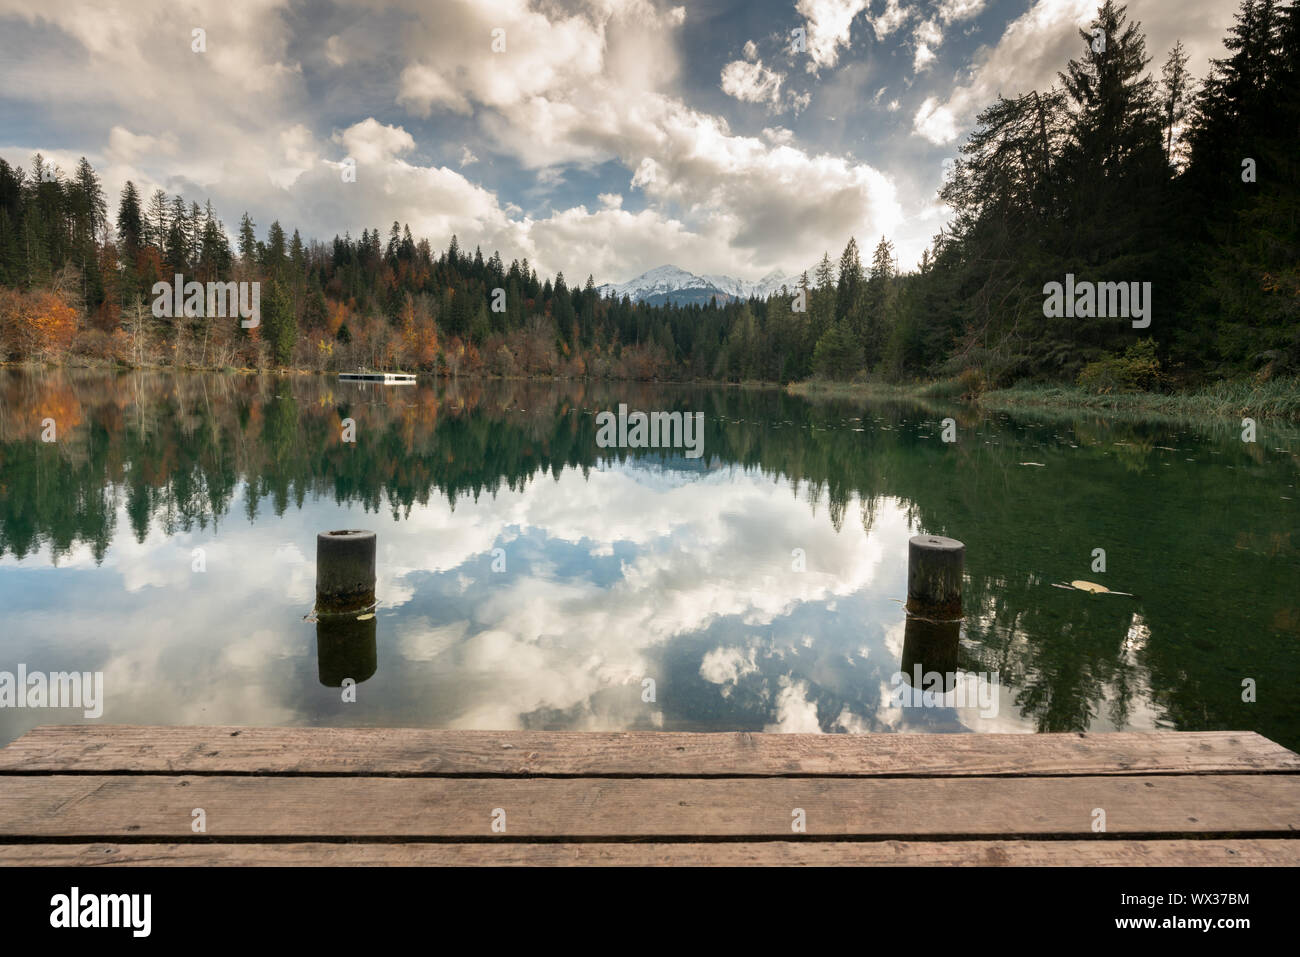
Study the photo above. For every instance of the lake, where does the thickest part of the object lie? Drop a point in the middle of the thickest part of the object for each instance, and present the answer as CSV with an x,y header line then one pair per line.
x,y
530,578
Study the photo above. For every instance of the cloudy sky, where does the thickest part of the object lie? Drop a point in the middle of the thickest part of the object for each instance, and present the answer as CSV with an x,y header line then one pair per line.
x,y
606,138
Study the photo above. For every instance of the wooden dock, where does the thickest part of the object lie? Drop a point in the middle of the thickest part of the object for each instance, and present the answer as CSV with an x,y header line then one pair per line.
x,y
128,795
387,378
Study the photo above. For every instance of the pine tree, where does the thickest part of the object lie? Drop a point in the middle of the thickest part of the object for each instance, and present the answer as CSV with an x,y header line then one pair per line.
x,y
825,272
130,224
1174,83
214,255
88,213
1114,98
44,239
1249,108
11,226
837,354
394,242
194,239
247,240
276,252
89,210
177,247
878,297
298,257
158,221
278,323
850,280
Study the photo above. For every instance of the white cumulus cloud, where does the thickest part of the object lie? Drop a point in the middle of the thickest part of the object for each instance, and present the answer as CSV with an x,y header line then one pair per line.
x,y
752,82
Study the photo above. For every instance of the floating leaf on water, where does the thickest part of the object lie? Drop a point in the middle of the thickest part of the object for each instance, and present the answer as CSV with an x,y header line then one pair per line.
x,y
1092,588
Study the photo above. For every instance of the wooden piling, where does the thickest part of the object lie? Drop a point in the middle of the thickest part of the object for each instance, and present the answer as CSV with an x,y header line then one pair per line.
x,y
345,571
934,577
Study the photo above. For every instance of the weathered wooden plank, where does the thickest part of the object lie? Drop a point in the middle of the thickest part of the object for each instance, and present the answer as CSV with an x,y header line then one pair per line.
x,y
144,806
372,751
1116,853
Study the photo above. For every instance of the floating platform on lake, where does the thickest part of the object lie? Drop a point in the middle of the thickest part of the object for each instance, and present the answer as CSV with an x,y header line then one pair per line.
x,y
127,795
388,378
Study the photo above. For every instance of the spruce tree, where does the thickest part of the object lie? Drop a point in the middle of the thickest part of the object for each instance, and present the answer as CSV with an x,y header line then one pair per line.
x,y
278,325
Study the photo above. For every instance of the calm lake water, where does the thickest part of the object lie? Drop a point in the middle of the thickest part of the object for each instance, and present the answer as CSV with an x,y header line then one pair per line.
x,y
529,579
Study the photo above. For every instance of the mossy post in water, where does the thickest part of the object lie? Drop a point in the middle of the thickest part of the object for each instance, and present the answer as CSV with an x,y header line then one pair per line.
x,y
934,575
345,571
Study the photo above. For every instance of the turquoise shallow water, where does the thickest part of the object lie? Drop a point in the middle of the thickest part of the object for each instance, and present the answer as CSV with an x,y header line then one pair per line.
x,y
530,579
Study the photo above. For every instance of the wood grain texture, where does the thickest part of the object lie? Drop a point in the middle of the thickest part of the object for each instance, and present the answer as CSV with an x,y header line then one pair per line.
x,y
369,752
91,795
146,806
1108,853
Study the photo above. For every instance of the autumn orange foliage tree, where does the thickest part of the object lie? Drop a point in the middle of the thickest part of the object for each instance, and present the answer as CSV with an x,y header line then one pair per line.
x,y
35,324
419,335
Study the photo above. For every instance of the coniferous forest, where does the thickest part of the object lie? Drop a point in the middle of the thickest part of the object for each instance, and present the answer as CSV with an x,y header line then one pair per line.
x,y
1128,169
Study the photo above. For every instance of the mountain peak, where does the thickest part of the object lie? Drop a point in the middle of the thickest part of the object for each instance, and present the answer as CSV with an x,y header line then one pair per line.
x,y
670,283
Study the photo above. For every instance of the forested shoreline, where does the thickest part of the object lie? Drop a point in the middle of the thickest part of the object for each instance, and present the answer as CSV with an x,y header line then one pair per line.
x,y
1118,173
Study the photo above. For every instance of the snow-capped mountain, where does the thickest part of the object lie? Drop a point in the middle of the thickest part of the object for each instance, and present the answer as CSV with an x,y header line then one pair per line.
x,y
769,284
673,284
